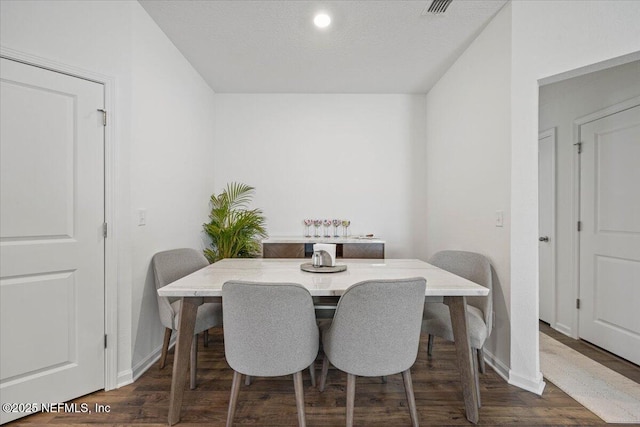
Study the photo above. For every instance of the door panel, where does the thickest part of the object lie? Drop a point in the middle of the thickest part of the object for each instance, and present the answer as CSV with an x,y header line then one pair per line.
x,y
51,244
610,238
611,281
618,163
52,297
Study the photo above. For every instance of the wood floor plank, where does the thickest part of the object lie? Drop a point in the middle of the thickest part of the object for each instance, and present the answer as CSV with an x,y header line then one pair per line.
x,y
271,401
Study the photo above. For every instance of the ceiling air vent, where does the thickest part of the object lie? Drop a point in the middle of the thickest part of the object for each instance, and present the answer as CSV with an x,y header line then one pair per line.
x,y
437,7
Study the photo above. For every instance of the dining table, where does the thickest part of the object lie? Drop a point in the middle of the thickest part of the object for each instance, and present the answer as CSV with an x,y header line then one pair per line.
x,y
205,285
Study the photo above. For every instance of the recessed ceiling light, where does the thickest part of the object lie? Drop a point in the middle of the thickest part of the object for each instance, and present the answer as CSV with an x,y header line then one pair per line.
x,y
322,20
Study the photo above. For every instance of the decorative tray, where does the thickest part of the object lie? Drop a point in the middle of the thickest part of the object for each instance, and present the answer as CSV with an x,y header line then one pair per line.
x,y
307,266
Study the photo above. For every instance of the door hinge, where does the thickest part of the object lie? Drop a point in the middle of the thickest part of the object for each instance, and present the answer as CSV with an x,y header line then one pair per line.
x,y
578,303
579,144
579,225
105,340
104,116
104,229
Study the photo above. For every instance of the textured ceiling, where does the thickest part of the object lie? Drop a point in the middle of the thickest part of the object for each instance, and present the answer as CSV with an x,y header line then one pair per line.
x,y
273,46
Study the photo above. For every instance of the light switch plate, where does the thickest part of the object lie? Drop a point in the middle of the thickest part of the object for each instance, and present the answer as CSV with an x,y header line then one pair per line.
x,y
499,219
142,217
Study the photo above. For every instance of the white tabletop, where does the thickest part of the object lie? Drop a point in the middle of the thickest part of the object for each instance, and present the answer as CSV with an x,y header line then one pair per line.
x,y
208,281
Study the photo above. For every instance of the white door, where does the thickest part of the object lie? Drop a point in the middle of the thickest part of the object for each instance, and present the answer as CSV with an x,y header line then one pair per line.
x,y
546,224
51,241
610,236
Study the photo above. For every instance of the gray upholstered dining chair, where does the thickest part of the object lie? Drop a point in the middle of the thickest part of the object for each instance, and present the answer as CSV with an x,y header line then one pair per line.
x,y
269,330
375,332
437,320
169,266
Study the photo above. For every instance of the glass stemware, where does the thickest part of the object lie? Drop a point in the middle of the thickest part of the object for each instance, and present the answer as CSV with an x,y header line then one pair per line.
x,y
307,226
327,224
336,223
317,223
345,225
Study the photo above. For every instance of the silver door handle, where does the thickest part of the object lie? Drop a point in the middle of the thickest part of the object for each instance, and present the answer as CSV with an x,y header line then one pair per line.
x,y
544,239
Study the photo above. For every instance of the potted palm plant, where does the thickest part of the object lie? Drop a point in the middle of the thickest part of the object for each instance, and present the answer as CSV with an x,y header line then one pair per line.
x,y
234,229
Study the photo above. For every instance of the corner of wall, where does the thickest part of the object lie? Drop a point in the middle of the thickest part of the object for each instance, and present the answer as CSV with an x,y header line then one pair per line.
x,y
124,378
534,384
469,118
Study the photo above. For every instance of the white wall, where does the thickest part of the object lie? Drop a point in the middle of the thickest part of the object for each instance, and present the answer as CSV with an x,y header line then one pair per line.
x,y
560,104
547,41
171,176
163,135
468,157
323,156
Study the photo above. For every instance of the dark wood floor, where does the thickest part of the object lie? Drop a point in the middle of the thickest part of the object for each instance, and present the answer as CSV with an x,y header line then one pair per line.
x,y
271,402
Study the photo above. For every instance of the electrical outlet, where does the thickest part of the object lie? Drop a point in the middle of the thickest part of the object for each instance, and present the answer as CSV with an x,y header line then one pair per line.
x,y
142,217
499,219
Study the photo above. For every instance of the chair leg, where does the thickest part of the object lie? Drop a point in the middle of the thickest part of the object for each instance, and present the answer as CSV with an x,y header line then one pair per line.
x,y
480,352
165,346
205,335
194,362
476,376
247,380
351,398
430,345
411,399
299,388
325,371
312,372
383,379
233,400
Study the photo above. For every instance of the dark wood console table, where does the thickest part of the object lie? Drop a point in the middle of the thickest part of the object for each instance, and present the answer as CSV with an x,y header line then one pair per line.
x,y
302,247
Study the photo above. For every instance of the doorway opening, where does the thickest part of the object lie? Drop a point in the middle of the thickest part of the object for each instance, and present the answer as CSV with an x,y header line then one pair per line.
x,y
586,277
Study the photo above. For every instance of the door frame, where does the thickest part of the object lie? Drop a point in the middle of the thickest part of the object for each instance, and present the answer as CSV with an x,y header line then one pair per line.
x,y
577,123
110,198
544,134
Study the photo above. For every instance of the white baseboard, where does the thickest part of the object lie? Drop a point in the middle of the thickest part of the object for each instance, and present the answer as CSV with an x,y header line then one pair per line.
x,y
497,365
124,378
535,385
563,329
146,363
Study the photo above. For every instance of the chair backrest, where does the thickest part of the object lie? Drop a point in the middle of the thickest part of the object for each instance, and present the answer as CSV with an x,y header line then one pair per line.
x,y
376,327
474,267
269,328
169,266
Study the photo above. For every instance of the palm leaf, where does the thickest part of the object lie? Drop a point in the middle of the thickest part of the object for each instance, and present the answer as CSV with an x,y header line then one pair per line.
x,y
234,229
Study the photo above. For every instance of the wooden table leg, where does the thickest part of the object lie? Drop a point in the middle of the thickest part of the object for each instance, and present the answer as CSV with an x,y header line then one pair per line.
x,y
186,328
460,323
